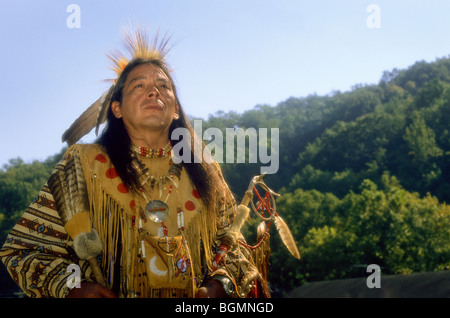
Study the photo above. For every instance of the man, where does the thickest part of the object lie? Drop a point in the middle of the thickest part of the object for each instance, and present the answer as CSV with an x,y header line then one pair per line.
x,y
134,221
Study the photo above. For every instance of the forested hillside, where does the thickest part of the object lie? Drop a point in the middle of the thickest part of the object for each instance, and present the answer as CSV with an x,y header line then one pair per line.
x,y
364,177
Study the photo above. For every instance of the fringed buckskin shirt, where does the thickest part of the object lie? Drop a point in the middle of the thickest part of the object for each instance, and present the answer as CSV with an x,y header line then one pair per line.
x,y
137,259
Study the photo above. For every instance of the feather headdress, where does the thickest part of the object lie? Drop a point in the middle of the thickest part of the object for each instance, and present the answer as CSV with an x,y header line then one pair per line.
x,y
137,45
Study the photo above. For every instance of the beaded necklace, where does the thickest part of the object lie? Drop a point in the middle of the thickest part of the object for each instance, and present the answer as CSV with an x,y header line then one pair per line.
x,y
152,153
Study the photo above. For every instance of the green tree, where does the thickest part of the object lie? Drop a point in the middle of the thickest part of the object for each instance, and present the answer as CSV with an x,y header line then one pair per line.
x,y
423,153
400,231
20,182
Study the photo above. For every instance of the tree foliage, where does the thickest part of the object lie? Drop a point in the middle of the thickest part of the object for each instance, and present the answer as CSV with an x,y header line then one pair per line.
x,y
20,182
400,231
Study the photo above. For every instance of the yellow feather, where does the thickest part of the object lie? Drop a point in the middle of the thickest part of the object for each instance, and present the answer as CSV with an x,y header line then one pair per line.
x,y
241,216
286,236
136,44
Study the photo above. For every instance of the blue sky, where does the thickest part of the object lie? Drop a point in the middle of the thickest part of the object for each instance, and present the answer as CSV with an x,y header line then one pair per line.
x,y
227,55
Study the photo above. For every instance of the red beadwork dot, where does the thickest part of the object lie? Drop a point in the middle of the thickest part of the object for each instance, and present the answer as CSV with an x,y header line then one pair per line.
x,y
189,205
132,204
122,188
111,173
196,194
101,158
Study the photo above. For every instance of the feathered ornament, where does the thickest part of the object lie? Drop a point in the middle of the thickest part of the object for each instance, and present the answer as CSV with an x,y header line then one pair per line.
x,y
268,204
137,45
286,236
89,119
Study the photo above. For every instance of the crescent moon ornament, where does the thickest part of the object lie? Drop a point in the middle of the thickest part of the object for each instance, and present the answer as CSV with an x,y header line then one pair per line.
x,y
155,270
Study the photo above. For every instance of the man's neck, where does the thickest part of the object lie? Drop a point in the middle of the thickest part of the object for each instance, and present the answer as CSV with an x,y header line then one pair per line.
x,y
153,140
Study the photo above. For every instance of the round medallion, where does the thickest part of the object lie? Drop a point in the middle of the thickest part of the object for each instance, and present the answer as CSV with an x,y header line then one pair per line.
x,y
157,211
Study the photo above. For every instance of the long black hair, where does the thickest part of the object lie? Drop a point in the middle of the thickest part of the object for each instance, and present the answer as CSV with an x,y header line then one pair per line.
x,y
206,177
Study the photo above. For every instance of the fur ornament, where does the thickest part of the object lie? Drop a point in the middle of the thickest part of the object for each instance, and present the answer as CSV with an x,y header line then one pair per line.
x,y
88,245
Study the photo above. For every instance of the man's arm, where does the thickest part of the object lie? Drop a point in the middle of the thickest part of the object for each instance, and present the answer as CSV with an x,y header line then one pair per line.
x,y
36,252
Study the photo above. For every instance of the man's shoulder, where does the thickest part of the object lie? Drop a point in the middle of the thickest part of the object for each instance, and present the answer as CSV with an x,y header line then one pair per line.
x,y
89,151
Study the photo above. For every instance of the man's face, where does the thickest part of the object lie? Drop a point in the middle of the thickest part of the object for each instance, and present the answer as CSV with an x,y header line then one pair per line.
x,y
148,101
